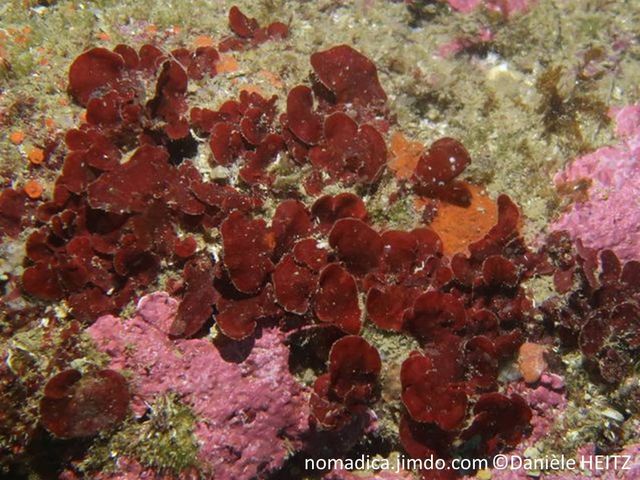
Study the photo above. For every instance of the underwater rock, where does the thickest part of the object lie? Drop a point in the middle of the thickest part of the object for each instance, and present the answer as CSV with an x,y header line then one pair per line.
x,y
155,189
252,412
505,7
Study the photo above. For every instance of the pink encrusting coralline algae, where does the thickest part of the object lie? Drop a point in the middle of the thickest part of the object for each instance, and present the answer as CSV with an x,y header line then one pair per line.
x,y
251,411
610,217
323,303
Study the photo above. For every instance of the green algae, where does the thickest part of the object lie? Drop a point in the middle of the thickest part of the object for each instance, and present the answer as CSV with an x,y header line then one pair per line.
x,y
540,288
400,214
47,348
164,441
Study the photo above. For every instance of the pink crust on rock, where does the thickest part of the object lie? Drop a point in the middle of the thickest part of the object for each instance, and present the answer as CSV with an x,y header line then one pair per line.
x,y
222,393
484,35
610,217
464,6
158,310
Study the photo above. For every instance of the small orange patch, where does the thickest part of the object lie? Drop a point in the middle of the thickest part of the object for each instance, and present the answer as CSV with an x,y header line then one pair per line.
x,y
36,156
226,64
104,36
531,361
49,123
460,226
17,137
22,39
405,155
33,189
270,240
273,79
203,41
420,202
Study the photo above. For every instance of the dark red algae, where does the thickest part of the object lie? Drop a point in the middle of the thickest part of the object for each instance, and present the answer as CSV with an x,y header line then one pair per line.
x,y
76,405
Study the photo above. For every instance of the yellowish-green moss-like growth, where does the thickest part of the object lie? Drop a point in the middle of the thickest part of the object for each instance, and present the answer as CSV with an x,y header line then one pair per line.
x,y
394,348
164,441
